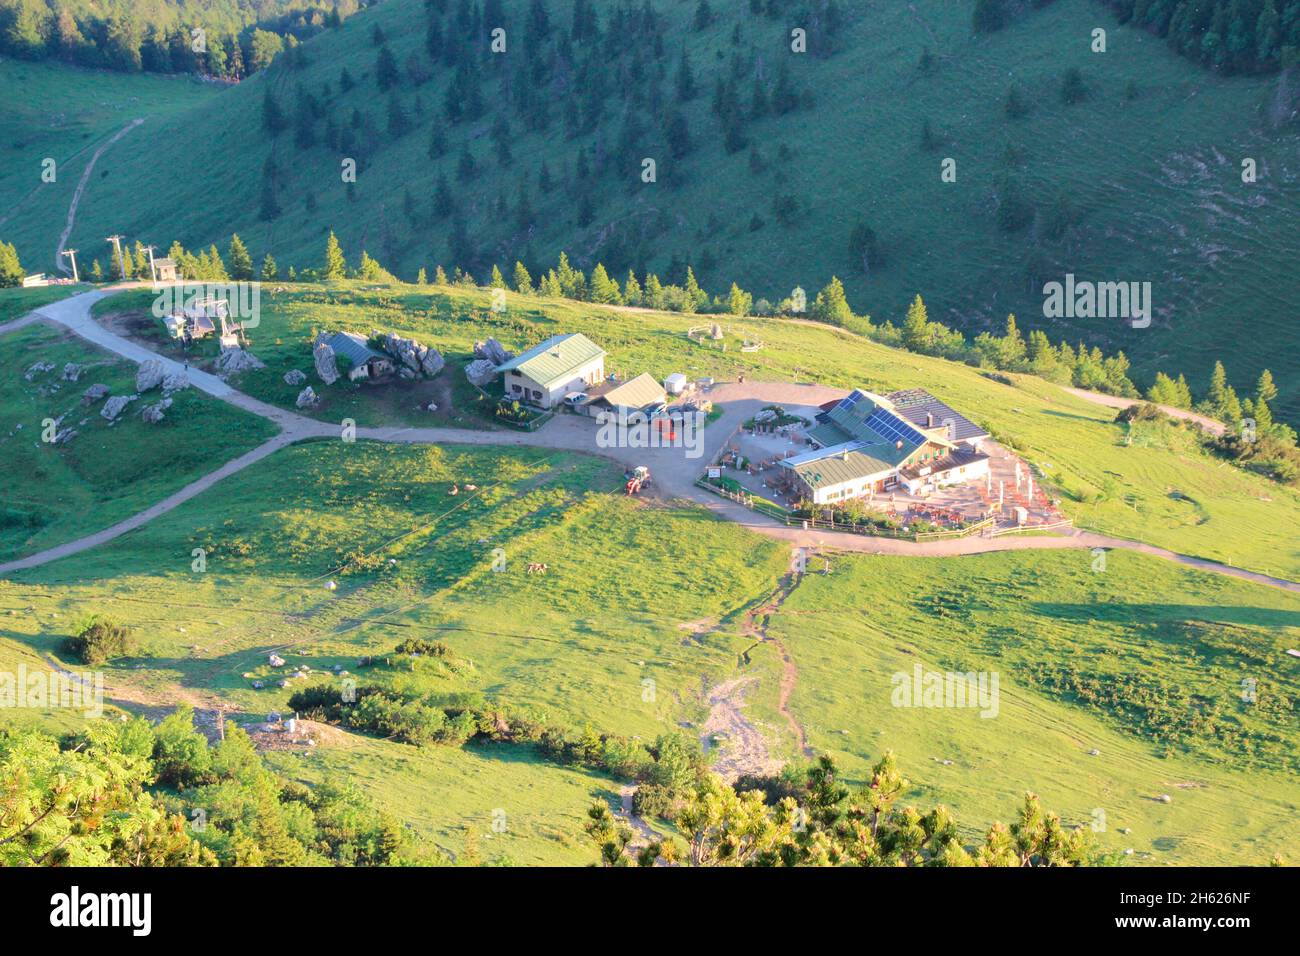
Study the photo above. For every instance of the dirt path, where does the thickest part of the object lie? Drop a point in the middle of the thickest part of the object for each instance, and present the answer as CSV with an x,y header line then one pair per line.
x,y
674,470
743,749
59,261
1113,401
644,836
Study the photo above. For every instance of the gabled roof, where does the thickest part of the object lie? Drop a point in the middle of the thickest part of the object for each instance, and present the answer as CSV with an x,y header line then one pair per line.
x,y
554,361
915,404
353,347
850,461
954,459
635,393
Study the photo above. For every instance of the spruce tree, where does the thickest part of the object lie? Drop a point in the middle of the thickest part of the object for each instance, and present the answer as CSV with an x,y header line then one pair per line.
x,y
270,271
523,281
241,262
336,267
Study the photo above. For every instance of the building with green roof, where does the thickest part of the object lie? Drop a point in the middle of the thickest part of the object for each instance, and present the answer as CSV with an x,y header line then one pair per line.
x,y
544,374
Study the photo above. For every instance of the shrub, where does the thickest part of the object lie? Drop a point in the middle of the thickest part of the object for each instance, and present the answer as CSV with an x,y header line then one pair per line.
x,y
98,641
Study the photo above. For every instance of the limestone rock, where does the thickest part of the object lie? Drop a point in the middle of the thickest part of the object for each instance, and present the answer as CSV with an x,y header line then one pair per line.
x,y
232,361
64,435
149,375
38,368
175,382
326,367
153,414
294,377
94,394
306,398
432,362
493,351
481,371
113,407
72,371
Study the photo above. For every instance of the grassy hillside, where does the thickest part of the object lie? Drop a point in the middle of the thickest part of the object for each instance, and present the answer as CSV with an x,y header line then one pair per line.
x,y
65,114
109,471
1154,485
1139,181
641,592
1159,655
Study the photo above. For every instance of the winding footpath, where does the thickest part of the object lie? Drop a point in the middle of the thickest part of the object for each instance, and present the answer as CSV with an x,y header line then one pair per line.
x,y
674,472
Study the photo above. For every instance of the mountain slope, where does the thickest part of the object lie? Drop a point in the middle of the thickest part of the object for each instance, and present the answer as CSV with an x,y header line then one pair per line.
x,y
1138,181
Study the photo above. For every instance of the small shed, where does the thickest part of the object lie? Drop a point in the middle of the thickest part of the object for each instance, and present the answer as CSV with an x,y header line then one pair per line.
x,y
164,270
626,398
675,384
365,362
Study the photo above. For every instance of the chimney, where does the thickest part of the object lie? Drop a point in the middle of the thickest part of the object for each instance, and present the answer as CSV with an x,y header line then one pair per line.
x,y
929,419
899,444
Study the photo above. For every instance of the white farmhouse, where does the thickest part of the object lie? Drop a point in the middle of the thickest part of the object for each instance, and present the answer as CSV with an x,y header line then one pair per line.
x,y
544,374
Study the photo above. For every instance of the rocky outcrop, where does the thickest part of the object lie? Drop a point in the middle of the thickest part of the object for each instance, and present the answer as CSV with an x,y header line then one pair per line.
x,y
233,361
153,414
420,359
149,375
175,382
64,435
113,407
93,394
481,371
326,367
294,377
72,371
493,351
38,368
307,398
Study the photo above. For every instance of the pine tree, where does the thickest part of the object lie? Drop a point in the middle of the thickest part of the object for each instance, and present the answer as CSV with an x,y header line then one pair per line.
x,y
386,73
632,289
739,302
439,276
336,267
96,272
497,280
695,296
11,270
523,281
241,262
831,305
270,271
604,289
1184,392
292,274
1216,397
1265,390
916,327
654,292
421,277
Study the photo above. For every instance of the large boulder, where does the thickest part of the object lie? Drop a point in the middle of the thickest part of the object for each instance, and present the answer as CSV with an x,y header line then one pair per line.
x,y
481,371
113,407
232,361
153,414
93,394
149,375
493,351
326,367
294,377
175,382
72,371
432,362
306,398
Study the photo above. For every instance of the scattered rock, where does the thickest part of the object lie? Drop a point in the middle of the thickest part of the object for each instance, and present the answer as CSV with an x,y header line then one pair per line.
x,y
1165,798
275,660
94,394
481,371
149,375
429,407
64,435
294,377
307,398
1094,752
326,367
113,407
72,371
175,382
153,414
493,351
231,361
432,362
38,368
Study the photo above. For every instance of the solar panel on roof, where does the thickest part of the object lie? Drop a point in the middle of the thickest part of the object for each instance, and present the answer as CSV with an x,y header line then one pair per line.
x,y
854,397
893,428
